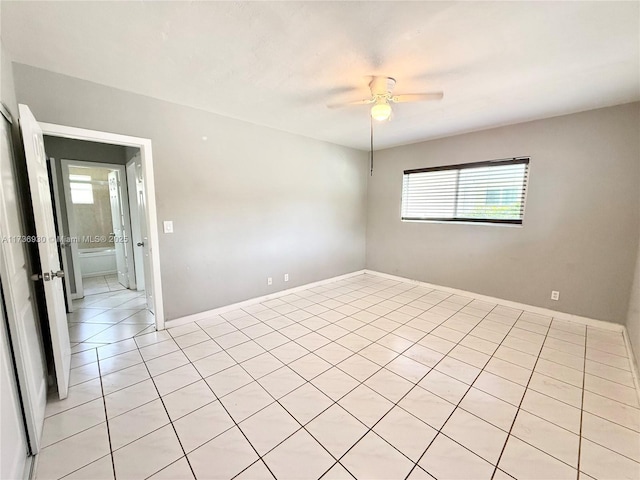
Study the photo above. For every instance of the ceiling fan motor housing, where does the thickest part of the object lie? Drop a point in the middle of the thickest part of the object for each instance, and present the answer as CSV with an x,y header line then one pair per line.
x,y
382,85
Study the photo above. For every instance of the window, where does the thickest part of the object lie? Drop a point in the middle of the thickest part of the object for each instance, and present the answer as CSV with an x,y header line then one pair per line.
x,y
490,192
81,189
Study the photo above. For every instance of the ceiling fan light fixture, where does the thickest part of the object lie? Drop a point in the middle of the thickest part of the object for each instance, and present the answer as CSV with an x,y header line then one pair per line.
x,y
381,111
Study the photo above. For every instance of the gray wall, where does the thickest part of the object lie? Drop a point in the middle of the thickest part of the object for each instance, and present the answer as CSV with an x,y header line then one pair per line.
x,y
7,89
251,202
633,316
70,149
580,232
247,203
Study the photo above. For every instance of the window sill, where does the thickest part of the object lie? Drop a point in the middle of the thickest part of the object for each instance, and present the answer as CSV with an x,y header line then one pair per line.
x,y
486,224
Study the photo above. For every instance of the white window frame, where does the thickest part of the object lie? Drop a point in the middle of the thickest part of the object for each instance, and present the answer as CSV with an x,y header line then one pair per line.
x,y
78,188
461,219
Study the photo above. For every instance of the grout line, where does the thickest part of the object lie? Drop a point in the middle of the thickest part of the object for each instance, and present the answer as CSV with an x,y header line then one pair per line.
x,y
518,411
270,372
414,384
235,423
170,422
480,319
439,430
278,401
333,402
348,332
106,419
584,376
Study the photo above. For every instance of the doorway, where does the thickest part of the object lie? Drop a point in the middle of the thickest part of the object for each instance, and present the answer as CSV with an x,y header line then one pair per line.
x,y
96,217
132,239
97,210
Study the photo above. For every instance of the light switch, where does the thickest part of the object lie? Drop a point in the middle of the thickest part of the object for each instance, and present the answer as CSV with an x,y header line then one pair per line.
x,y
168,226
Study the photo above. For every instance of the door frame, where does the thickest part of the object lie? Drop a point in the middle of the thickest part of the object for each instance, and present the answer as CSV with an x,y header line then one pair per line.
x,y
65,196
71,216
151,216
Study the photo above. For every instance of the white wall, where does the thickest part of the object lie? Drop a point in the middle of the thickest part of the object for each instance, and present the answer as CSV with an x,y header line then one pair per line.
x,y
247,203
582,218
13,459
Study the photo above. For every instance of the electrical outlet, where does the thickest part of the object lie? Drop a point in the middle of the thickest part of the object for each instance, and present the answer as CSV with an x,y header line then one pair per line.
x,y
269,280
286,277
555,295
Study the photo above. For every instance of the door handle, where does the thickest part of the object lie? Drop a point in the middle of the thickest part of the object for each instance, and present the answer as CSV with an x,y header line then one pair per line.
x,y
46,276
140,244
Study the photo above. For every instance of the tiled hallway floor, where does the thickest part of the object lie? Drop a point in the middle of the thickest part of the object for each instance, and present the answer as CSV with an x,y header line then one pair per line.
x,y
101,284
106,318
363,378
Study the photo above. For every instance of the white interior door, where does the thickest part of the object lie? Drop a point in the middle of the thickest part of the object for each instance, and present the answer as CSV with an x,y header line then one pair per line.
x,y
64,247
136,235
50,272
119,229
14,456
142,215
17,293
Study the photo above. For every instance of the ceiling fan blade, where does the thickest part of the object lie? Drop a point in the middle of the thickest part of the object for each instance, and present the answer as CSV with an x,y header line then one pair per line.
x,y
365,101
417,97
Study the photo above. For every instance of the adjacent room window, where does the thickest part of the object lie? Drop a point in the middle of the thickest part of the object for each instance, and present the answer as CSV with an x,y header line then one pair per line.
x,y
489,192
81,189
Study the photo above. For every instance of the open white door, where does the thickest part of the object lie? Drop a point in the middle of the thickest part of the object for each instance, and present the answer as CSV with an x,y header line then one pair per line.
x,y
142,207
119,229
24,327
64,247
136,235
50,272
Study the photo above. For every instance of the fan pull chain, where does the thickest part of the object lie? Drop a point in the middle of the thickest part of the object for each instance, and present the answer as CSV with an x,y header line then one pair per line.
x,y
371,151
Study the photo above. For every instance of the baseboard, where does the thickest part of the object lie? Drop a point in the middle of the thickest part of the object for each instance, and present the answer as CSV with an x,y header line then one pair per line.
x,y
632,361
245,303
616,327
591,322
520,306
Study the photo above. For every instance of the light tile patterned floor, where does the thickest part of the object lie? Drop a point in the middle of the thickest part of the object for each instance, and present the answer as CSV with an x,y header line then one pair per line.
x,y
364,377
109,317
101,284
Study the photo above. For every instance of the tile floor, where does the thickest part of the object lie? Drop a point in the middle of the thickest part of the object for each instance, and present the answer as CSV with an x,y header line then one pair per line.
x,y
106,318
363,378
101,284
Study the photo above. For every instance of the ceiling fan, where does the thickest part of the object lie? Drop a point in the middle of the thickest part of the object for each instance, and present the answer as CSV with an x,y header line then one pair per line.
x,y
382,97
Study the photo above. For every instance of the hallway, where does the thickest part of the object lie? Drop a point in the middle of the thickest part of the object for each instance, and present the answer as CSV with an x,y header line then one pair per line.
x,y
108,317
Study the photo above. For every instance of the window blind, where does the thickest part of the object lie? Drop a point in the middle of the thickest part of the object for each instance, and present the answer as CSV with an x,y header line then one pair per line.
x,y
492,191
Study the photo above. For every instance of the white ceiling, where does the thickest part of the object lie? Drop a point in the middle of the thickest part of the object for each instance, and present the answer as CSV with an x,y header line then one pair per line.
x,y
279,63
